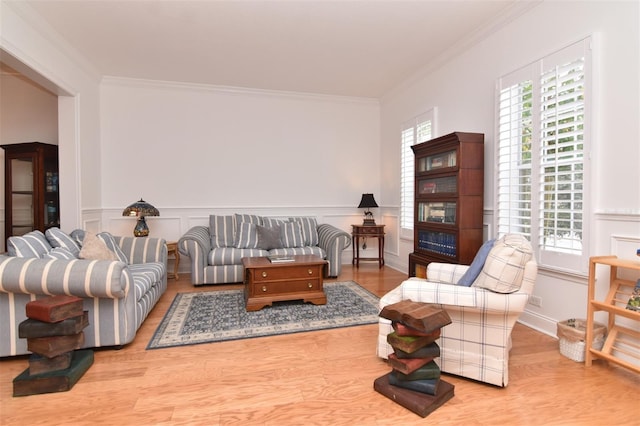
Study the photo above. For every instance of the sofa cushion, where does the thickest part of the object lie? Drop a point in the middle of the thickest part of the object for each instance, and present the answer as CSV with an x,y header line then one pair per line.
x,y
292,251
309,227
58,238
271,221
504,268
246,236
291,235
476,266
222,230
60,253
145,276
95,249
30,245
108,239
222,256
268,237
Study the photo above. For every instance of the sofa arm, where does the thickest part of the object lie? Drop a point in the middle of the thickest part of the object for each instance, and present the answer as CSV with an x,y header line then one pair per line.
x,y
196,244
143,250
333,241
81,278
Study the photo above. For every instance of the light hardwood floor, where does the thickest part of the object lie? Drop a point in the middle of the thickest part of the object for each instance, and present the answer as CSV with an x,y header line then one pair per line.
x,y
321,377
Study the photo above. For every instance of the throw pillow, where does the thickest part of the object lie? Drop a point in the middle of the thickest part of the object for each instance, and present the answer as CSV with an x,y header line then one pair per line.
x,y
269,237
476,266
309,227
246,236
58,238
504,268
222,230
30,245
111,244
291,235
95,249
61,253
271,222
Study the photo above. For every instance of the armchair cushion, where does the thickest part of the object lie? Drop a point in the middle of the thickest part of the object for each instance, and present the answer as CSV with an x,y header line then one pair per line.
x,y
476,265
504,268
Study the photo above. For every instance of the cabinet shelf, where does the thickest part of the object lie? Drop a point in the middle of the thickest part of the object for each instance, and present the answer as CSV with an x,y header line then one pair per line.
x,y
448,204
622,345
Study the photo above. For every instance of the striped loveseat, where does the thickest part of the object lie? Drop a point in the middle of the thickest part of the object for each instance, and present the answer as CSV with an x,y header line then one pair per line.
x,y
118,294
216,251
483,312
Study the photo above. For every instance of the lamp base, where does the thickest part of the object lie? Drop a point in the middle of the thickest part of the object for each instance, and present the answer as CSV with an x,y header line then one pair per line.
x,y
369,222
141,229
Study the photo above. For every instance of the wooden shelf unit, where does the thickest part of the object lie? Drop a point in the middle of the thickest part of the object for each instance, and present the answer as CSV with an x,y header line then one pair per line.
x,y
620,339
448,209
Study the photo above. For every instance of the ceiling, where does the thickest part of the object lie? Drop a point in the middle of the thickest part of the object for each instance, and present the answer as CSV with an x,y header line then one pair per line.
x,y
347,48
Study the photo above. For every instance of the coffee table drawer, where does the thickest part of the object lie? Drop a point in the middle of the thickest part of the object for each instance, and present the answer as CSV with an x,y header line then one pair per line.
x,y
286,273
283,287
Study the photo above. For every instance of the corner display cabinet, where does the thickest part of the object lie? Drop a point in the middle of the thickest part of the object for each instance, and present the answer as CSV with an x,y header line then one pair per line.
x,y
449,190
31,192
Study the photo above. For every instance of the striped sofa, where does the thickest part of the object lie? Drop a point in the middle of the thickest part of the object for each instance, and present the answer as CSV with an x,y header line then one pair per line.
x,y
476,344
118,294
216,251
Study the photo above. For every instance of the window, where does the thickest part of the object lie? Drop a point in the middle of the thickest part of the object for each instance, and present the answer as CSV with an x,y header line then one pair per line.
x,y
419,129
541,161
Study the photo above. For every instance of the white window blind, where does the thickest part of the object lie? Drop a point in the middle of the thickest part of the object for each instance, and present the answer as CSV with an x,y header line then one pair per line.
x,y
541,169
417,130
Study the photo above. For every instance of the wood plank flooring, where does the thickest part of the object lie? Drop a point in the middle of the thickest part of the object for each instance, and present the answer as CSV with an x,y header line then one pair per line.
x,y
315,378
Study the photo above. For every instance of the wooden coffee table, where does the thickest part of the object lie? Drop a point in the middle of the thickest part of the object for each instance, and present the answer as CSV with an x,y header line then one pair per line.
x,y
266,282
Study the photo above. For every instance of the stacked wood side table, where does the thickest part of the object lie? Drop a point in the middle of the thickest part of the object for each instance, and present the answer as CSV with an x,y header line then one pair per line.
x,y
266,282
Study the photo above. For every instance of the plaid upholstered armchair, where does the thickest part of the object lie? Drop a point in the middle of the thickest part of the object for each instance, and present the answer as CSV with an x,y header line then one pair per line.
x,y
476,344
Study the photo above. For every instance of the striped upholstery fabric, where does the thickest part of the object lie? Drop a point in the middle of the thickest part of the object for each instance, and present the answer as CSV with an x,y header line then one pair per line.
x,y
58,238
60,253
246,236
309,227
218,265
222,230
476,344
291,234
114,293
33,244
111,244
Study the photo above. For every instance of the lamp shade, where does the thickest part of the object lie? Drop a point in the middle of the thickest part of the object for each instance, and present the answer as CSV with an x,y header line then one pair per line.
x,y
140,209
367,202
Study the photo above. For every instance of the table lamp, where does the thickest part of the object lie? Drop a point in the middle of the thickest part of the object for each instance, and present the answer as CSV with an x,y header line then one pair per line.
x,y
140,209
368,202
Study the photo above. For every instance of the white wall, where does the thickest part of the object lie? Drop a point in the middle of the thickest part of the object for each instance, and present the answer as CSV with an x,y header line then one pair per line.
x,y
28,45
28,113
463,91
192,150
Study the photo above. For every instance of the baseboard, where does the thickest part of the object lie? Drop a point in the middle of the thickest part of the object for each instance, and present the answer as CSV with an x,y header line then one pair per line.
x,y
543,324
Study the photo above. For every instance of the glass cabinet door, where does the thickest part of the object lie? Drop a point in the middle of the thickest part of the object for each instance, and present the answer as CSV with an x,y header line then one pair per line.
x,y
437,212
22,193
441,185
437,161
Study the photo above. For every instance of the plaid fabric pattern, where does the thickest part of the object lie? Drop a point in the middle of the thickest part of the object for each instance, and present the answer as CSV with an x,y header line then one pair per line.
x,y
476,344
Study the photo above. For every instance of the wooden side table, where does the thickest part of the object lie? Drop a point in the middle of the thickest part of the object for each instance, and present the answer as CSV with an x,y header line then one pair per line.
x,y
367,231
172,249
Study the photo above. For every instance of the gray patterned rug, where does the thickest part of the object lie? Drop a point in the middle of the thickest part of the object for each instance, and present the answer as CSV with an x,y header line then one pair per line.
x,y
216,316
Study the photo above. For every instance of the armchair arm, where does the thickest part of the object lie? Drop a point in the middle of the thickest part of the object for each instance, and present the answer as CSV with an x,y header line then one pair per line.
x,y
143,250
82,278
333,241
445,272
196,244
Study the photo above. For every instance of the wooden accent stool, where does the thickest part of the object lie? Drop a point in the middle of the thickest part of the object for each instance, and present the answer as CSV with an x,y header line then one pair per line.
x,y
267,282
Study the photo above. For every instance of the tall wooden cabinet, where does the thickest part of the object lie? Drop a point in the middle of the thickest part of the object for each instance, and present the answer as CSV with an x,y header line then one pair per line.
x,y
31,192
449,191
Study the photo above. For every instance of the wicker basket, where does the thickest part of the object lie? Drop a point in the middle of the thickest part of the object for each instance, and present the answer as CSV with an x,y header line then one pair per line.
x,y
572,333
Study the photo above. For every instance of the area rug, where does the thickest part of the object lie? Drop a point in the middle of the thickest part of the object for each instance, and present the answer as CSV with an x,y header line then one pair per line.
x,y
216,316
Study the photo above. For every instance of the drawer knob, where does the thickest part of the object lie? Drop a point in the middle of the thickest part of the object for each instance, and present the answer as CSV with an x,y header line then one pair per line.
x,y
310,285
264,274
264,288
310,271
